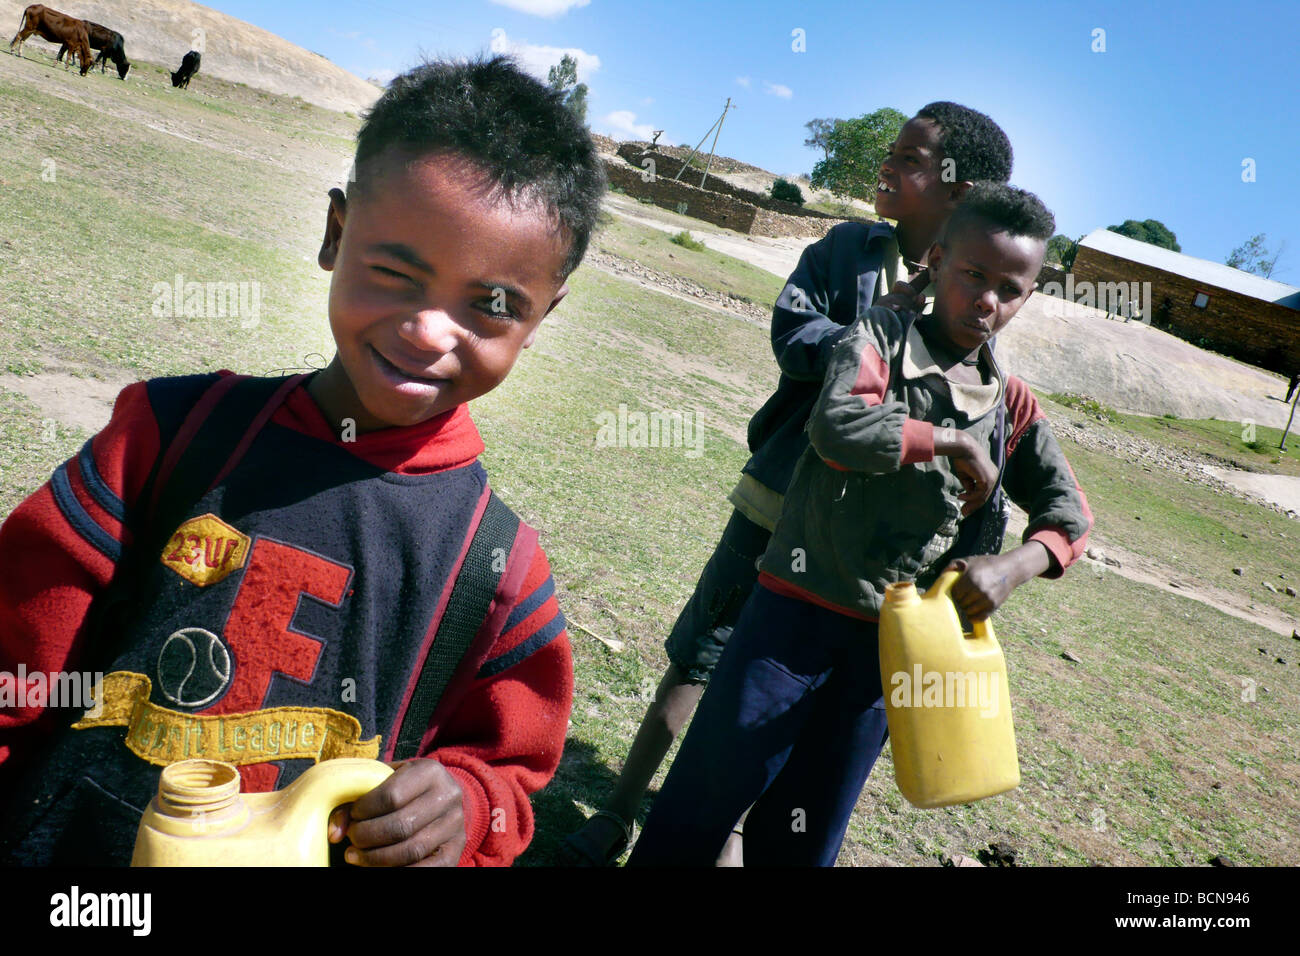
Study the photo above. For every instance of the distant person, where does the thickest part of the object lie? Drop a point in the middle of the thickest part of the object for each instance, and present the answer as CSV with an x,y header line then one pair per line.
x,y
1290,389
793,717
341,571
1161,319
937,156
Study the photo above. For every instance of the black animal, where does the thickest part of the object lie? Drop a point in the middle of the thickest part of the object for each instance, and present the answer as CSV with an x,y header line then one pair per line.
x,y
189,66
111,46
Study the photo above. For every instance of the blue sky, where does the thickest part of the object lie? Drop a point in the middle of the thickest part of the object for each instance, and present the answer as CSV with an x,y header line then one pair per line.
x,y
1155,126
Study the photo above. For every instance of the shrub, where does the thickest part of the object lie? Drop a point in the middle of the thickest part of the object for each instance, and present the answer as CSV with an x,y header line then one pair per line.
x,y
684,240
787,192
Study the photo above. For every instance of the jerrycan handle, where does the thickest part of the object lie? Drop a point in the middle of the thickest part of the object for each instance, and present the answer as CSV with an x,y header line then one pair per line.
x,y
943,588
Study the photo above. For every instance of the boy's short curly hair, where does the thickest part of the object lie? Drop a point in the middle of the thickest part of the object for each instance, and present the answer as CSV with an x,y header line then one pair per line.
x,y
977,144
509,124
1017,211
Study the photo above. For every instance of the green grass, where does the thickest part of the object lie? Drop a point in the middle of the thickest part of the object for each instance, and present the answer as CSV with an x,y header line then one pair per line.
x,y
684,240
1241,444
1137,733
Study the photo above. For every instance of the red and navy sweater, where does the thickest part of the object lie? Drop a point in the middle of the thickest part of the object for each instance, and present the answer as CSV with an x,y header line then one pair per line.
x,y
284,623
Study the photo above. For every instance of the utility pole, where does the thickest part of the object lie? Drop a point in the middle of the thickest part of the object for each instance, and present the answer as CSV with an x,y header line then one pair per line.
x,y
1290,418
713,148
718,126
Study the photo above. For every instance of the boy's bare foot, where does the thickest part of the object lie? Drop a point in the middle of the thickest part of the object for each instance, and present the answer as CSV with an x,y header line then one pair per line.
x,y
599,842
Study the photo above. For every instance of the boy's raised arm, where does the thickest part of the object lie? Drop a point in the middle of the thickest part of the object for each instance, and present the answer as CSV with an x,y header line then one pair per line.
x,y
1040,480
851,427
803,335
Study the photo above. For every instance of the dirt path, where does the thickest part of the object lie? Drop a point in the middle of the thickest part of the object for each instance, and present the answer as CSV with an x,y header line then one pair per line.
x,y
1148,571
777,256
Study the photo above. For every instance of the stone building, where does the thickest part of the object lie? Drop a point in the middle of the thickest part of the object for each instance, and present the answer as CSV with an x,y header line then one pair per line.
x,y
1207,303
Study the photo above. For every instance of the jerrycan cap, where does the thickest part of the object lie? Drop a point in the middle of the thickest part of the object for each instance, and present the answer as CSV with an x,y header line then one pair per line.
x,y
901,592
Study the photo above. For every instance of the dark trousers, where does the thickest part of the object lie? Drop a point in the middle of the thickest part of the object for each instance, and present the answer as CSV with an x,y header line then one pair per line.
x,y
791,722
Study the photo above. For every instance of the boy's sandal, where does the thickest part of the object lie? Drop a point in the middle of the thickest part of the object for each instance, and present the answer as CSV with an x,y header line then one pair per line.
x,y
574,852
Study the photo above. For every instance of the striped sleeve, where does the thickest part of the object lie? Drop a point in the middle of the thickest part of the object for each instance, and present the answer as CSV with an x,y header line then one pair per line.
x,y
505,737
59,548
1040,480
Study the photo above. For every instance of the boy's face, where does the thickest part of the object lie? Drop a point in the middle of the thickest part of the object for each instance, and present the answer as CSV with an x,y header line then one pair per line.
x,y
981,279
436,289
911,177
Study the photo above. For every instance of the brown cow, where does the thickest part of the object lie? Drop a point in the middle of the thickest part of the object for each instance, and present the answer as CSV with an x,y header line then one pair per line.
x,y
57,28
110,45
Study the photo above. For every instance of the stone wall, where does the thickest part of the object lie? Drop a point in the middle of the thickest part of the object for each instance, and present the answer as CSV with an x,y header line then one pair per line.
x,y
681,198
664,165
1261,333
777,225
604,144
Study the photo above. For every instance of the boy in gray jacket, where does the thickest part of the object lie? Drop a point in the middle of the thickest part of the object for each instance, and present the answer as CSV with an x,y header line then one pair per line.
x,y
793,718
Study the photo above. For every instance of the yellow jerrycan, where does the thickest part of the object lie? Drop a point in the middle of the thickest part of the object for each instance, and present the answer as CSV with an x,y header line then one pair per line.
x,y
200,818
946,699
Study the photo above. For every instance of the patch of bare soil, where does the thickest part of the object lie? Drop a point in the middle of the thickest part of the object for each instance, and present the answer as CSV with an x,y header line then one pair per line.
x,y
73,395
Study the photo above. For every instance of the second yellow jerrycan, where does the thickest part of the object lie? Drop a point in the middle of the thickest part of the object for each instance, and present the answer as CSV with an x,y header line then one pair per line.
x,y
946,699
200,818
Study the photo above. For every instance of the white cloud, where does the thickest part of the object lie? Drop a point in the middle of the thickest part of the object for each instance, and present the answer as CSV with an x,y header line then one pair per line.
x,y
542,8
622,123
538,60
743,81
776,89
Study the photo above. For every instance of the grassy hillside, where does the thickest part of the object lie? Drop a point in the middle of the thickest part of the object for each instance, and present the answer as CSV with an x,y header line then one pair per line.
x,y
1145,752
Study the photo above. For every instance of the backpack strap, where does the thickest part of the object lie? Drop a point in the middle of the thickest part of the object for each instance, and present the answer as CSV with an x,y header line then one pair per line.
x,y
467,607
213,437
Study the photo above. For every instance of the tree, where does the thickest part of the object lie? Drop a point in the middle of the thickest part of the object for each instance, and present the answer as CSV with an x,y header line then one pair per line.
x,y
787,192
563,77
1252,256
855,150
820,130
1149,230
1061,249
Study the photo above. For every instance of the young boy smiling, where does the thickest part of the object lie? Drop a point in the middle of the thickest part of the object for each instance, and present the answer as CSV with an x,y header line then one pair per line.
x,y
320,570
793,718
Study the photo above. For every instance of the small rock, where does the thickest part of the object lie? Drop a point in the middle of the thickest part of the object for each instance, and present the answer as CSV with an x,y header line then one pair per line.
x,y
1270,587
1113,562
1069,656
1295,632
1221,861
1174,584
1244,535
1263,650
998,854
1238,571
1096,554
958,860
1281,660
1216,786
1137,517
1290,591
